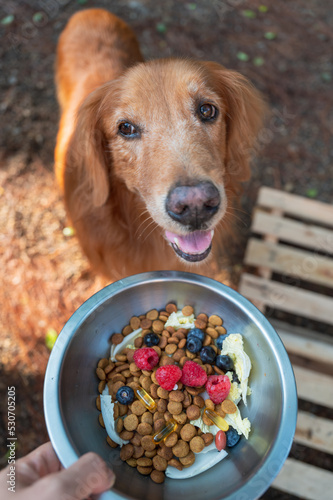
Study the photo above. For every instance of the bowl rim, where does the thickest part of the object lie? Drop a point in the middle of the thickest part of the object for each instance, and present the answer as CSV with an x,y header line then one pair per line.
x,y
261,479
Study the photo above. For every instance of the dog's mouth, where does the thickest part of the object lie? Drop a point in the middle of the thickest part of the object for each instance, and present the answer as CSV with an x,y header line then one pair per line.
x,y
193,247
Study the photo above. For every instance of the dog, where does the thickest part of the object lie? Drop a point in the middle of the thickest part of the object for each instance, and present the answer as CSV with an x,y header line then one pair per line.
x,y
149,155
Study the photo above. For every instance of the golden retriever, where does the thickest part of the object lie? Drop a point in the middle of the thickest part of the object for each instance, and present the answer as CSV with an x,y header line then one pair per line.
x,y
149,154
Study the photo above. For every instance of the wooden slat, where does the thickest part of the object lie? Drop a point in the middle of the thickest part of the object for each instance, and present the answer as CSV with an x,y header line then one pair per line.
x,y
297,206
305,481
289,261
307,348
313,386
287,298
315,432
305,235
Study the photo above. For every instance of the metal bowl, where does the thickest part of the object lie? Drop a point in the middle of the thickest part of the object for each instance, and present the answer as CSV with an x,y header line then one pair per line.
x,y
70,387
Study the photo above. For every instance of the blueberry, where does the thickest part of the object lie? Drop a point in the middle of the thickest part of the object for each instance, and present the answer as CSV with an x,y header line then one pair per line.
x,y
232,437
224,362
151,339
220,340
207,355
196,332
193,344
235,377
125,395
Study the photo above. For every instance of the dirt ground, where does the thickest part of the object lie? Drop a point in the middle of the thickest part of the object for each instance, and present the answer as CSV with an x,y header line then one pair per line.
x,y
285,48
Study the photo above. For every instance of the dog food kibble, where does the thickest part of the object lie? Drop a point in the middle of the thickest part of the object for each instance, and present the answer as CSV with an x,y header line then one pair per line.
x,y
172,377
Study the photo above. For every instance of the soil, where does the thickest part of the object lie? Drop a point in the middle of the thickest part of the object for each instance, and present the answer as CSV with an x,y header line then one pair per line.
x,y
284,48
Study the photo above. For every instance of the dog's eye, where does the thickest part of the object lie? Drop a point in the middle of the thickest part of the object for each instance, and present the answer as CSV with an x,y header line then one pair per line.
x,y
126,129
207,112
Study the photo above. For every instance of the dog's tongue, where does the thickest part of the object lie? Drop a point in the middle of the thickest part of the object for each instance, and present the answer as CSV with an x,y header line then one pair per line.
x,y
193,243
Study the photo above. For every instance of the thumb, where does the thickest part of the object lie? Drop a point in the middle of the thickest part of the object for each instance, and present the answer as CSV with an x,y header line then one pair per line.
x,y
88,475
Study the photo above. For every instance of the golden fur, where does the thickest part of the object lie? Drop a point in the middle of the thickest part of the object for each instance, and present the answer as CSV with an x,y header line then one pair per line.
x,y
115,188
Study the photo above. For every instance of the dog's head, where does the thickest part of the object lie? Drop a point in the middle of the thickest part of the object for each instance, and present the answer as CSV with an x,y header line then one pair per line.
x,y
178,133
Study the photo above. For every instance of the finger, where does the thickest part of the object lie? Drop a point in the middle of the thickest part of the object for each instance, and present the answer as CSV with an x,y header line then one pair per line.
x,y
37,464
89,475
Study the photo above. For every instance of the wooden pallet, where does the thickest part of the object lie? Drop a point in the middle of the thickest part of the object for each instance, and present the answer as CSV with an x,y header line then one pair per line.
x,y
290,255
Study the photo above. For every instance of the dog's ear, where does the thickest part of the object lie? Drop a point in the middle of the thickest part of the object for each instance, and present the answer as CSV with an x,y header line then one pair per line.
x,y
88,158
245,112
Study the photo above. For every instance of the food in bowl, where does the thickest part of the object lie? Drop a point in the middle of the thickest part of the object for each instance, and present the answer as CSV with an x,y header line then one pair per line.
x,y
193,375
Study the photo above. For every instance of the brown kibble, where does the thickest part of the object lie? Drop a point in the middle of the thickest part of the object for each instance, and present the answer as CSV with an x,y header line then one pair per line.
x,y
197,444
188,432
145,462
126,451
153,314
212,333
188,460
170,329
157,476
127,330
157,349
158,326
159,424
100,373
228,406
147,418
187,310
173,341
138,408
175,408
138,342
123,409
199,401
117,338
181,418
199,323
187,399
98,403
163,318
146,323
207,340
175,463
145,471
158,416
209,369
121,357
182,343
194,391
162,405
131,422
101,386
146,382
160,463
121,368
119,425
221,330
126,435
136,439
103,363
218,371
144,429
203,317
208,438
101,421
193,412
111,443
206,420
176,396
170,348
183,360
181,449
147,443
165,451
153,390
162,393
209,404
215,320
129,355
150,454
171,440
131,462
166,334
135,323
138,452
163,342
170,308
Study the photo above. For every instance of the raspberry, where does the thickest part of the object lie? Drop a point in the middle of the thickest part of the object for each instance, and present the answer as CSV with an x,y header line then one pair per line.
x,y
146,358
193,374
218,387
167,376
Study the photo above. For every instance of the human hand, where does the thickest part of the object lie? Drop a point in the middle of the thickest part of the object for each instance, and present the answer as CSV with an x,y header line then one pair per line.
x,y
39,475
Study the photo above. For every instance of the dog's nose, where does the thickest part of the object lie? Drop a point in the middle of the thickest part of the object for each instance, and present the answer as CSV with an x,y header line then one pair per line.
x,y
193,205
